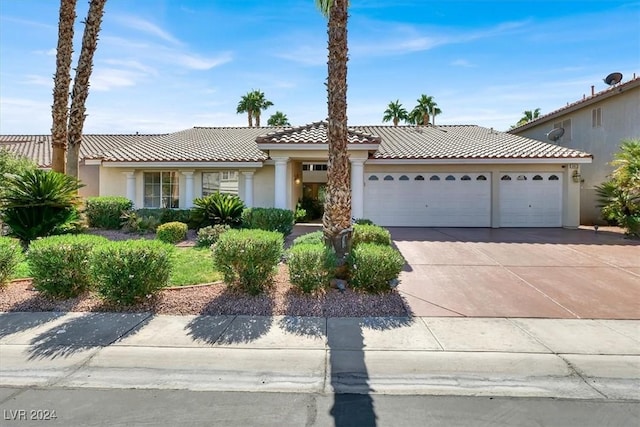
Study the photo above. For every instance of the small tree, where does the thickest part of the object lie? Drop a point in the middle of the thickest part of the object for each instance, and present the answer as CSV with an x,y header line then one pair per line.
x,y
278,119
619,198
395,112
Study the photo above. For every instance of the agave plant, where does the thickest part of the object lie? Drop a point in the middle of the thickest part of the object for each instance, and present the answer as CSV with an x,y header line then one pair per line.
x,y
218,208
38,203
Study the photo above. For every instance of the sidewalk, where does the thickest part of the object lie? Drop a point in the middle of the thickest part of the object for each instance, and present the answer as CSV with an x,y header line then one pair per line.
x,y
577,359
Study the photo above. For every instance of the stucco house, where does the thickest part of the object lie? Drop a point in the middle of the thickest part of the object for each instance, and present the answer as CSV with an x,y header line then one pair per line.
x,y
596,124
444,176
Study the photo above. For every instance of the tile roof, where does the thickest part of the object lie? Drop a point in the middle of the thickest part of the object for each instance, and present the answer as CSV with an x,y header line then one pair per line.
x,y
585,101
38,147
314,133
239,144
198,144
461,142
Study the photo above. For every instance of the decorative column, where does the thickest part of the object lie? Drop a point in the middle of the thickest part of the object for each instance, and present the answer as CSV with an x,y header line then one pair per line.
x,y
357,188
280,200
188,189
248,188
131,186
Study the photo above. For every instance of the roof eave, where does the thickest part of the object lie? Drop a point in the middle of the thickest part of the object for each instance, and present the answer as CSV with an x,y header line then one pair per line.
x,y
494,160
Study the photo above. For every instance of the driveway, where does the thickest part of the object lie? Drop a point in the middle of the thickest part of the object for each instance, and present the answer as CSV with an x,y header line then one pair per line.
x,y
550,273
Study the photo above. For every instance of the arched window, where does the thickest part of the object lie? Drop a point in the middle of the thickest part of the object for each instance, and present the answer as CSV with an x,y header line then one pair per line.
x,y
553,178
419,178
434,178
373,178
388,178
465,178
537,178
505,178
481,178
522,178
404,178
450,178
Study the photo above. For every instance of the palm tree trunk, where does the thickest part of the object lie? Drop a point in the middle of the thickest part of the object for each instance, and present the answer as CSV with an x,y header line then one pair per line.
x,y
258,119
61,83
336,220
395,121
250,116
80,90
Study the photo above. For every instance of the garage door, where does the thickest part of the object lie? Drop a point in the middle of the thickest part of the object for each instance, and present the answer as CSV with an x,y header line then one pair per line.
x,y
530,199
428,199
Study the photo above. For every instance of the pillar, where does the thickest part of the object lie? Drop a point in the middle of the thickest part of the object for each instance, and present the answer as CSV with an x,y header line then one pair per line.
x,y
280,199
131,186
248,188
357,188
189,188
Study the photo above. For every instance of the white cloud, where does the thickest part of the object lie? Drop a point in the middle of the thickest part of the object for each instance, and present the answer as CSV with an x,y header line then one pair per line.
x,y
109,78
33,79
197,62
308,55
147,27
462,63
132,64
49,52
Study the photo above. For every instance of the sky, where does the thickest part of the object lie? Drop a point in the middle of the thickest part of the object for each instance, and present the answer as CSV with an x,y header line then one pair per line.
x,y
168,65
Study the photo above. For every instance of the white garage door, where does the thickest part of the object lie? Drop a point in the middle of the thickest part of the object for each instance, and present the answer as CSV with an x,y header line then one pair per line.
x,y
428,199
530,199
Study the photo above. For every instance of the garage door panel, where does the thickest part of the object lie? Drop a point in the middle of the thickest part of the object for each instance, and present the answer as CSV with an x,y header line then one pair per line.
x,y
428,202
531,199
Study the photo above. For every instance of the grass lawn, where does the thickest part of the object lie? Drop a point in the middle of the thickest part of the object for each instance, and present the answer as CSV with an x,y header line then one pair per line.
x,y
192,266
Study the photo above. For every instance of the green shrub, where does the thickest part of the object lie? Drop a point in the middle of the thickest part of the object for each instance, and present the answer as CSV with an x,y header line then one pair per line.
x,y
374,266
363,221
363,233
619,198
164,215
207,236
300,214
39,203
269,219
309,238
10,256
172,232
129,270
60,265
248,258
311,266
217,208
132,222
105,211
313,207
13,164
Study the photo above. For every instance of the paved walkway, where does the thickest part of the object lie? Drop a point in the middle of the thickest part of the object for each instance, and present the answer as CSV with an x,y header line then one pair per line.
x,y
581,359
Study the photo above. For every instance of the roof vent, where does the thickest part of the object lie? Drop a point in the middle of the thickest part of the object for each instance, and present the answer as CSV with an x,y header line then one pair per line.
x,y
613,79
555,134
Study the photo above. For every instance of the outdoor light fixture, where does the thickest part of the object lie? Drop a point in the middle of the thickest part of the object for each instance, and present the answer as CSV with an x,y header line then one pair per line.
x,y
297,179
576,176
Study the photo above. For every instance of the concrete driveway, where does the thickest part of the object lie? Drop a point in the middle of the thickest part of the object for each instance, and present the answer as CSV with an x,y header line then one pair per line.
x,y
550,273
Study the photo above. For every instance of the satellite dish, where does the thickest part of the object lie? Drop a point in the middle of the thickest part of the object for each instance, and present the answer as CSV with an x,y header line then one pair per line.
x,y
555,134
613,79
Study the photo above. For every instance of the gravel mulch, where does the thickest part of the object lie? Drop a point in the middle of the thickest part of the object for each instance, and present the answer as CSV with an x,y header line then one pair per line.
x,y
281,298
218,299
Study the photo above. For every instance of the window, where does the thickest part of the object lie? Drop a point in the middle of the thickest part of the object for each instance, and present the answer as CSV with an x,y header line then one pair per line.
x,y
388,178
450,178
434,178
553,178
314,167
223,181
596,117
404,178
537,178
419,178
373,178
521,178
161,190
566,125
465,178
481,178
505,178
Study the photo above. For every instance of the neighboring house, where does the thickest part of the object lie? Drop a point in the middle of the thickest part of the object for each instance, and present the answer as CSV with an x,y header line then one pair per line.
x,y
595,124
444,176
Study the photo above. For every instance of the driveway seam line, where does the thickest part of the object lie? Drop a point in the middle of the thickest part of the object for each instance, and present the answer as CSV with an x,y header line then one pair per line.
x,y
577,372
514,322
434,304
432,333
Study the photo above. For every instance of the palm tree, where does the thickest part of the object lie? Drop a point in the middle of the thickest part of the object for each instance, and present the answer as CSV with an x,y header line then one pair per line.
x,y
80,90
528,116
61,83
253,103
336,221
245,106
395,112
426,107
260,103
278,119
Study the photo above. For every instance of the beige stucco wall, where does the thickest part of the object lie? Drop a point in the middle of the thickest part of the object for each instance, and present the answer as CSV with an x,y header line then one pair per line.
x,y
90,176
620,120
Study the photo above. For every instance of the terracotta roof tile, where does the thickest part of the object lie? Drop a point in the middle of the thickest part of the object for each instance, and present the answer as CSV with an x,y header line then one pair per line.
x,y
314,133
